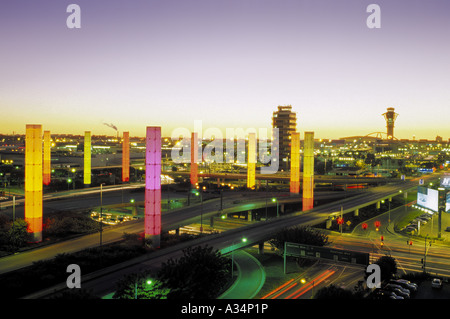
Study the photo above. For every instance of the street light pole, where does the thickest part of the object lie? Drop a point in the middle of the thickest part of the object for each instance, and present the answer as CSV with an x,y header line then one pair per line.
x,y
101,213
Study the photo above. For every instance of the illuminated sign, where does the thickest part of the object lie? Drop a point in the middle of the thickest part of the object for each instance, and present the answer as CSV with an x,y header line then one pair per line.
x,y
428,198
445,181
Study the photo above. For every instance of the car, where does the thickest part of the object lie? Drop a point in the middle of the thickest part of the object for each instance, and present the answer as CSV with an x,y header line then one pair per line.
x,y
436,283
412,287
410,228
448,228
386,294
421,220
401,293
399,290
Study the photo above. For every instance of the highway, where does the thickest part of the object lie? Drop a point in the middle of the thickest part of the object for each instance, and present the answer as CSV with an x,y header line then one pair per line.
x,y
232,202
102,282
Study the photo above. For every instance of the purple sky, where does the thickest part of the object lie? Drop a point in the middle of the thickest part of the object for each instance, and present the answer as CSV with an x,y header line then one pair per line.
x,y
228,63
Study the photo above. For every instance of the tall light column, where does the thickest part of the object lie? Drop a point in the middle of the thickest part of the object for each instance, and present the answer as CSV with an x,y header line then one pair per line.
x,y
126,157
33,180
87,158
153,185
295,163
251,160
47,169
194,156
308,171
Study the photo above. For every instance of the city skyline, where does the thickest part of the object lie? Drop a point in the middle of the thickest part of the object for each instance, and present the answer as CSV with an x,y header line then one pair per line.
x,y
227,64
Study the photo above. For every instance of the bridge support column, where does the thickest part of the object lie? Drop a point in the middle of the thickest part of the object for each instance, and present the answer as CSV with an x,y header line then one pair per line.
x,y
177,231
378,205
261,248
356,213
249,216
211,222
329,223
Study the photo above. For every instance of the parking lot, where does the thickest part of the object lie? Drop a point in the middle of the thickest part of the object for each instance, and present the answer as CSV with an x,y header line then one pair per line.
x,y
430,228
427,292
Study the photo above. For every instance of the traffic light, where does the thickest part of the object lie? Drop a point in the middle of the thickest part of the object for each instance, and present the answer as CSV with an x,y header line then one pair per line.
x,y
382,237
364,226
377,225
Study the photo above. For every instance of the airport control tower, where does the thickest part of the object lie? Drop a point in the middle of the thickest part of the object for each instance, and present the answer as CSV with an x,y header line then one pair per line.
x,y
390,117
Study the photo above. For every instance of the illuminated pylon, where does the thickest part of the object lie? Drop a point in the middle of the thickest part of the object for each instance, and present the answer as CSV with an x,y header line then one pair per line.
x,y
153,185
87,158
251,161
47,169
295,163
126,157
308,171
33,180
194,156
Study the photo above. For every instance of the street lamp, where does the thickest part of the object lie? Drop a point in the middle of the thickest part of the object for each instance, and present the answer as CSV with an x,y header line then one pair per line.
x,y
148,282
303,281
101,213
275,200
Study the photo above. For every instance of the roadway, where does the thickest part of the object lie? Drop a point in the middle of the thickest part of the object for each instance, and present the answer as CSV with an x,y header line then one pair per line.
x,y
233,202
102,282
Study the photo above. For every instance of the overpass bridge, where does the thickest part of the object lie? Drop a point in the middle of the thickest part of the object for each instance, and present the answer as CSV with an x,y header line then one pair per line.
x,y
102,282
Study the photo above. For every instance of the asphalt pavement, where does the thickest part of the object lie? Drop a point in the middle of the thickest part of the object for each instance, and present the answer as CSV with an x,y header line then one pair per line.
x,y
250,277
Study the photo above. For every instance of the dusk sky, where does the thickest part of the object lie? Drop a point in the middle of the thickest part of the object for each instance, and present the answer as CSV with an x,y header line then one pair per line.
x,y
228,63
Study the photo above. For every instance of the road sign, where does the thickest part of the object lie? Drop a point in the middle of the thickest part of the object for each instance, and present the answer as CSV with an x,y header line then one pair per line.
x,y
309,251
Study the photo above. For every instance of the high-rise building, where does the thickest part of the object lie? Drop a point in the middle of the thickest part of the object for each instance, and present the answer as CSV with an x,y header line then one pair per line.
x,y
286,122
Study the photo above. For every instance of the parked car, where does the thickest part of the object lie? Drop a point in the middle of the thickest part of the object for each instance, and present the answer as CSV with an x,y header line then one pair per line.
x,y
401,293
426,216
436,283
398,290
422,221
410,228
447,229
386,294
406,284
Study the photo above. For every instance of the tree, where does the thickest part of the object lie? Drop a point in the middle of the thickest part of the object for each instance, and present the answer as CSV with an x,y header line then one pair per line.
x,y
200,273
18,235
140,286
334,292
388,267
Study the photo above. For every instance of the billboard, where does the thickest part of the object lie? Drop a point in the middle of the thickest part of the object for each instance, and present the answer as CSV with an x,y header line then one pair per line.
x,y
447,202
428,198
445,181
308,251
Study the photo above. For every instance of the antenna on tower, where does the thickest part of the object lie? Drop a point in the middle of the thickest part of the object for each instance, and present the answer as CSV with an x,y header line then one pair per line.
x,y
390,116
